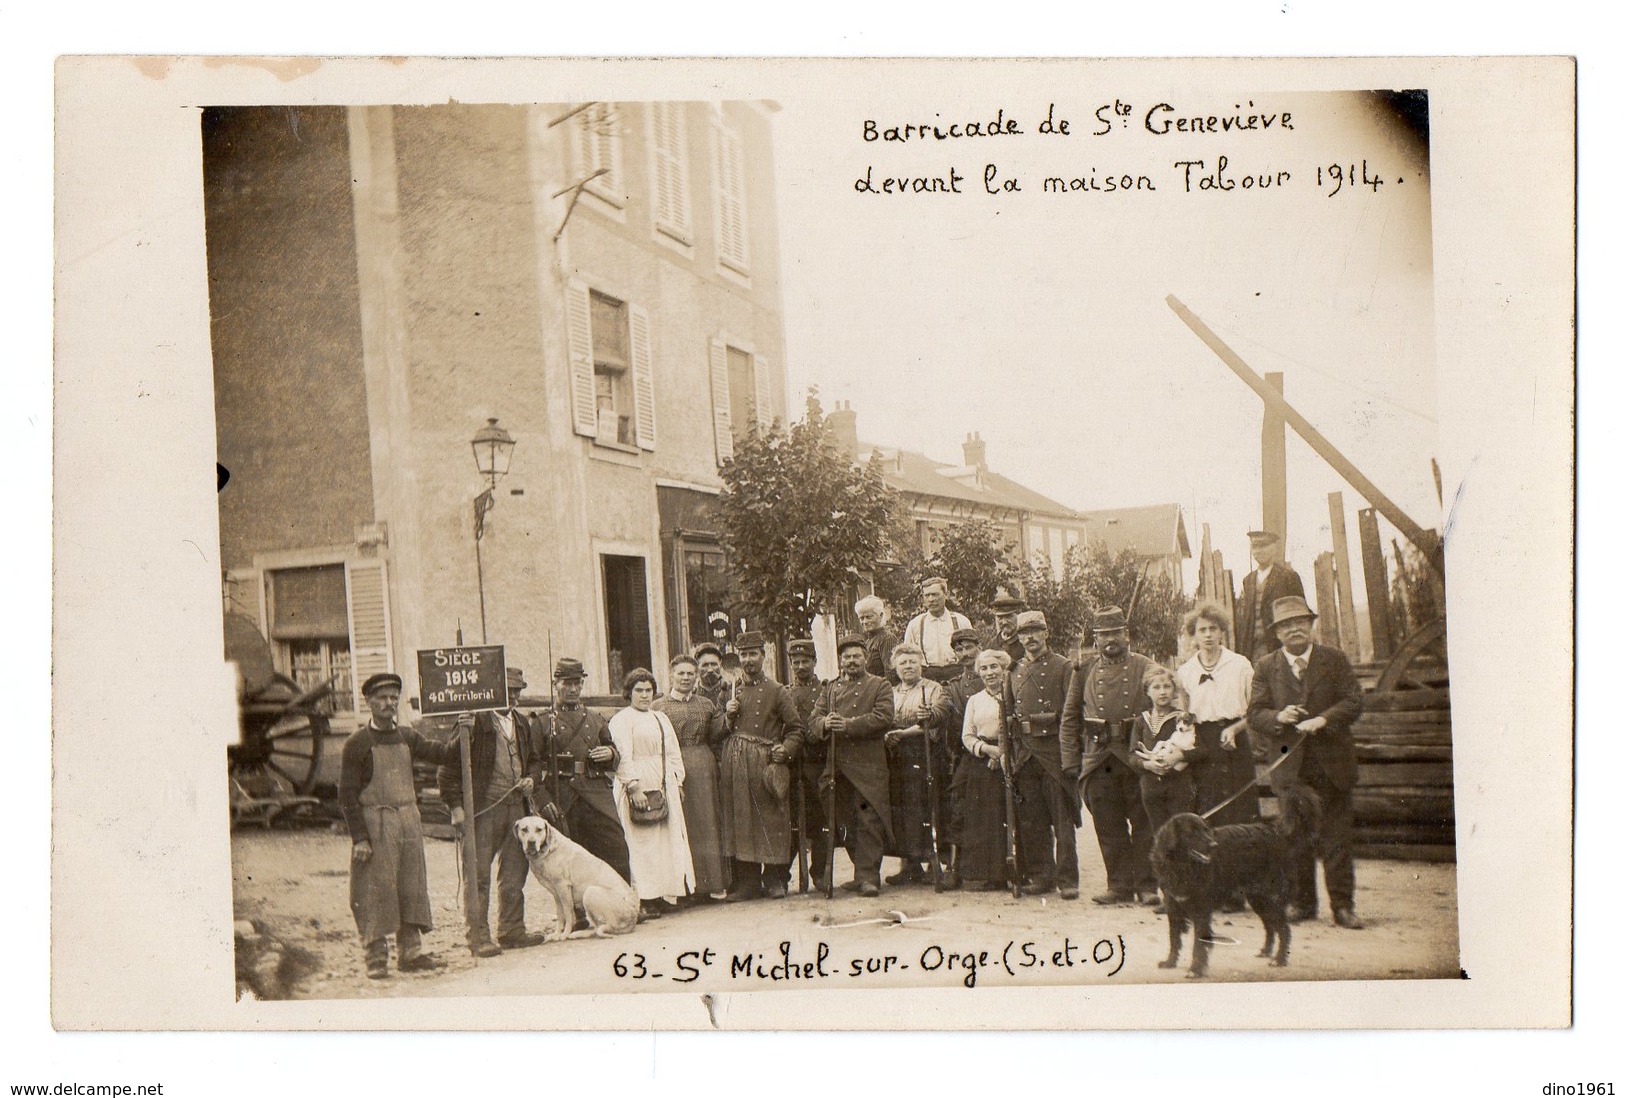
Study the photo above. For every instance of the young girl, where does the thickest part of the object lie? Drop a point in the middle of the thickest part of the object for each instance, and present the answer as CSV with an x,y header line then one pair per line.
x,y
1164,745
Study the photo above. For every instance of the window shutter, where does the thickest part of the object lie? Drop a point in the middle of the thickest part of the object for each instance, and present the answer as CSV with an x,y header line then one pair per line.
x,y
643,385
731,243
670,141
598,145
761,374
719,401
578,325
368,592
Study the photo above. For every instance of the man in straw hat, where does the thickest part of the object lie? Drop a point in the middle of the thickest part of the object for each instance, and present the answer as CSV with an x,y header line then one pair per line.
x,y
389,878
853,715
500,755
764,736
1273,579
1309,690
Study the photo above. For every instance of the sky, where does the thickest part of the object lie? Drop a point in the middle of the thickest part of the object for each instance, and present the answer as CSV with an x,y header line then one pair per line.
x,y
1039,319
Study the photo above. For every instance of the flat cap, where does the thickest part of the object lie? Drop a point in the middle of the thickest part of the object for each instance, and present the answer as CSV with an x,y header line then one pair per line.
x,y
377,682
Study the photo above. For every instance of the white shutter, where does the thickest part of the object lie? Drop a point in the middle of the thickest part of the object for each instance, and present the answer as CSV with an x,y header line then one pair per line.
x,y
578,326
367,583
598,144
762,375
731,243
669,138
720,418
643,385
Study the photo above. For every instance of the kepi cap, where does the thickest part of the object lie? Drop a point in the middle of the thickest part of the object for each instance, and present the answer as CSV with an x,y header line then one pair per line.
x,y
1030,620
568,668
801,647
377,682
1006,603
752,639
1109,619
851,640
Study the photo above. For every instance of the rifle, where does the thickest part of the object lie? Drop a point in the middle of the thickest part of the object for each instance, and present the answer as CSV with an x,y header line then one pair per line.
x,y
835,776
1012,863
801,826
931,795
553,728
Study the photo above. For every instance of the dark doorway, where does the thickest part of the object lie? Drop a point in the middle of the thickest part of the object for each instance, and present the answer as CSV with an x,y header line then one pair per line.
x,y
626,616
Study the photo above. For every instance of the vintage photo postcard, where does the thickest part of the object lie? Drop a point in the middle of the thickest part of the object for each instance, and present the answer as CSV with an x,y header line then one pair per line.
x,y
815,544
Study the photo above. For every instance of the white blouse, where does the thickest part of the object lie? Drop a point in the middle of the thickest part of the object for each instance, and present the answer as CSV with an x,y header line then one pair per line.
x,y
982,712
1227,691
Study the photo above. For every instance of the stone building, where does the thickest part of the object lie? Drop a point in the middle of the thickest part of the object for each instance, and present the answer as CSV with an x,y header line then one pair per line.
x,y
601,278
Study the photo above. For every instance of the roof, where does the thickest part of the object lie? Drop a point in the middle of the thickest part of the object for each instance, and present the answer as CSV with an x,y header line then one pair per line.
x,y
908,471
1154,531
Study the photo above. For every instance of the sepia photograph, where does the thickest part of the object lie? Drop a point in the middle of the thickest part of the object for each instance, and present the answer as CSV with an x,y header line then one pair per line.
x,y
904,528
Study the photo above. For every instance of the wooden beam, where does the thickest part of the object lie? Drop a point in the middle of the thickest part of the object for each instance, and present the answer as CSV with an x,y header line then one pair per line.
x,y
1272,462
1431,547
1326,598
1348,624
1376,586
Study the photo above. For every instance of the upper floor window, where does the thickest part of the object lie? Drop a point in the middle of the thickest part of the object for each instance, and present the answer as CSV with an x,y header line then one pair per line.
x,y
733,245
611,368
596,132
741,395
668,140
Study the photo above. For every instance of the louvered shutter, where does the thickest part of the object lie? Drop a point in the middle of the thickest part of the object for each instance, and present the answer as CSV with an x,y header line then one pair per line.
x,y
670,133
720,419
643,384
367,582
731,243
762,375
578,325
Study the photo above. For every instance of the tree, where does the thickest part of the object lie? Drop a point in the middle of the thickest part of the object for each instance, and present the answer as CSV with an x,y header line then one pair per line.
x,y
976,561
800,522
1092,579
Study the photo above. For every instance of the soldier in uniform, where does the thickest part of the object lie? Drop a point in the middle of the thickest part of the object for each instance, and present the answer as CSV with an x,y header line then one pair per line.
x,y
853,715
1006,607
1046,798
967,643
577,741
804,687
1107,691
764,736
1273,579
500,747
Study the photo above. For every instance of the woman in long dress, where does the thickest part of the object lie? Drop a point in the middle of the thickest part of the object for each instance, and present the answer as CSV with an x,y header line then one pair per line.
x,y
700,727
978,786
922,709
651,759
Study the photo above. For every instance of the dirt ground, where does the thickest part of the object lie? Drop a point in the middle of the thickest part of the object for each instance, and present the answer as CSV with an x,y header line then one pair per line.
x,y
294,886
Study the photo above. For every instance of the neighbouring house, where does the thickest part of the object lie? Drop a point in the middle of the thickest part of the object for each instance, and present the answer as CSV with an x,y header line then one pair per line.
x,y
1156,534
601,278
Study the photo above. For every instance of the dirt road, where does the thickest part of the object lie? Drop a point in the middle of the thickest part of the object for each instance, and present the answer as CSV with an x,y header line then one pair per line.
x,y
294,886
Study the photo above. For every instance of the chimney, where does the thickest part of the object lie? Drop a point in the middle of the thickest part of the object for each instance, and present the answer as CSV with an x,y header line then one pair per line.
x,y
843,428
975,451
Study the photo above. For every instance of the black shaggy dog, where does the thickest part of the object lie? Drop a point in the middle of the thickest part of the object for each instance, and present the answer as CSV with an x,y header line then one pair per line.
x,y
1199,865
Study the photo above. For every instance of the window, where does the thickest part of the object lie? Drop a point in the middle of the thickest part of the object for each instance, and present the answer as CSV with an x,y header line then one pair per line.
x,y
668,138
310,628
741,395
705,591
733,249
611,369
597,139
626,616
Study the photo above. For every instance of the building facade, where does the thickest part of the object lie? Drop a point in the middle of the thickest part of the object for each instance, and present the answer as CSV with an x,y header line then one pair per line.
x,y
601,278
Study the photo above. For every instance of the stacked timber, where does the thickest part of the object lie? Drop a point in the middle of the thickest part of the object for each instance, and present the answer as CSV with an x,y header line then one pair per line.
x,y
1404,802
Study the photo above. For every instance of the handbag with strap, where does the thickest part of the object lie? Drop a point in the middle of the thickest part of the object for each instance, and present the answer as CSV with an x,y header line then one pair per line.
x,y
656,808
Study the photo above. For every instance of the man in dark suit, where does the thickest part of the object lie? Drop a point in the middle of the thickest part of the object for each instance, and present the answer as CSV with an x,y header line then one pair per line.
x,y
499,754
1273,580
1308,692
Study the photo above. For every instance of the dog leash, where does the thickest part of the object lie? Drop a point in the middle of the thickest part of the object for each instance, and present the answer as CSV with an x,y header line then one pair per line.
x,y
1285,755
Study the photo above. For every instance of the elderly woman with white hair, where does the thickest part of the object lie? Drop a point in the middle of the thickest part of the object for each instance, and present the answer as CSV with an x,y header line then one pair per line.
x,y
978,784
921,706
878,638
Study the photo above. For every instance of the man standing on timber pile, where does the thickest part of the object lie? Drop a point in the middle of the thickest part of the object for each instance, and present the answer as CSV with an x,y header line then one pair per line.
x,y
1273,579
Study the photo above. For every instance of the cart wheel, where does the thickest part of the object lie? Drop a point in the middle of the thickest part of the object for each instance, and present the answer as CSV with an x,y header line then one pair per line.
x,y
1423,657
283,758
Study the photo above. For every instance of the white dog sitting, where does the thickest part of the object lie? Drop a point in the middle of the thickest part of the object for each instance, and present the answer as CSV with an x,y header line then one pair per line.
x,y
576,877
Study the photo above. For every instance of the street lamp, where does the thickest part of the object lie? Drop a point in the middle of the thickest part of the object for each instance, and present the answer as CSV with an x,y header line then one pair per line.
x,y
493,452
